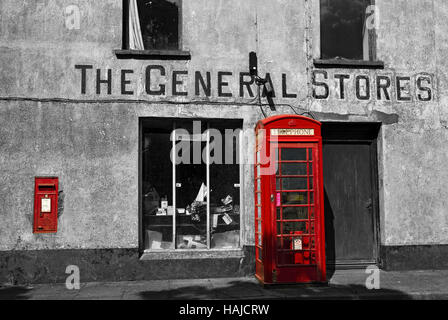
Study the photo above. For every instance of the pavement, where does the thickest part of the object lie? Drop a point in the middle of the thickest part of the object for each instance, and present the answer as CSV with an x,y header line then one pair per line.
x,y
344,284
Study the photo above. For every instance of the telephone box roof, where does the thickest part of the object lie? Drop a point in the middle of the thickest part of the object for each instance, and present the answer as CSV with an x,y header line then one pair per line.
x,y
265,122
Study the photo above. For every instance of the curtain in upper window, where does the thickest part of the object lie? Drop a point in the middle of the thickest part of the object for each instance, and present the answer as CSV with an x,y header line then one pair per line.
x,y
154,24
135,32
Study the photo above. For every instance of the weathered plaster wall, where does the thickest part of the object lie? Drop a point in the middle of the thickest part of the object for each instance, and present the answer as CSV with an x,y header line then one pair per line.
x,y
47,126
92,149
415,149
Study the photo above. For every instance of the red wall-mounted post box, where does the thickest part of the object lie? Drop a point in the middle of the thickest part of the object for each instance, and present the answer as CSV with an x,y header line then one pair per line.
x,y
289,198
46,205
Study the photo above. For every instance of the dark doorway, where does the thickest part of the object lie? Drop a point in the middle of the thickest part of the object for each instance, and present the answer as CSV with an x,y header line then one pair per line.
x,y
351,194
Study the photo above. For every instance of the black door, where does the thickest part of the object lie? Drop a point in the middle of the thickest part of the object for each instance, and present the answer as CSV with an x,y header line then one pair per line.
x,y
350,190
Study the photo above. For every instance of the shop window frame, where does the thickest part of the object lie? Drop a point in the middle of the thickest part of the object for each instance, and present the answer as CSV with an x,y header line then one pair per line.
x,y
180,254
153,54
372,63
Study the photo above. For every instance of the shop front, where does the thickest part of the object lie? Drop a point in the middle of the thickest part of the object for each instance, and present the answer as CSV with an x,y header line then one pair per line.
x,y
127,139
191,190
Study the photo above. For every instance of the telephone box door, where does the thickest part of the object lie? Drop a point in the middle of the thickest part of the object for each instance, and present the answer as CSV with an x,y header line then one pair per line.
x,y
296,226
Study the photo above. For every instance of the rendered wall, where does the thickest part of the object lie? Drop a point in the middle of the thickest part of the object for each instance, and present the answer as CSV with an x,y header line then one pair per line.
x,y
49,127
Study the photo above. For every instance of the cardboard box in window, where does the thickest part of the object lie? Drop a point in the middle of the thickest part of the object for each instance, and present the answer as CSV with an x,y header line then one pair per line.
x,y
191,242
226,240
153,241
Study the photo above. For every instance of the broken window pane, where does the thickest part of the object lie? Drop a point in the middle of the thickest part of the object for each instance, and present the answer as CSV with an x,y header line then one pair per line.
x,y
342,28
159,22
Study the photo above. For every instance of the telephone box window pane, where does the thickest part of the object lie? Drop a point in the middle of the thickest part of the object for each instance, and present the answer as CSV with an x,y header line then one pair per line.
x,y
280,243
289,198
294,169
294,183
342,28
159,23
294,226
289,154
295,213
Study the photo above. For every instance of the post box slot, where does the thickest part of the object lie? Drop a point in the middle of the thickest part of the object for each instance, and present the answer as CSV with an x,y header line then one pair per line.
x,y
47,187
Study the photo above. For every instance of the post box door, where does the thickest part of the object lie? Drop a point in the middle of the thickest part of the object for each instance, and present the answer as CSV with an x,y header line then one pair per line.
x,y
296,225
46,205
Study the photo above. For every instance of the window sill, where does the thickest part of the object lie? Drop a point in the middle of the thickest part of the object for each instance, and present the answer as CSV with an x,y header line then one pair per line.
x,y
153,54
192,254
345,63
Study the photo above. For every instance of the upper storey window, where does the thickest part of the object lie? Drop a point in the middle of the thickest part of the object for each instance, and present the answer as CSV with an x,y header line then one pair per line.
x,y
152,27
154,24
347,30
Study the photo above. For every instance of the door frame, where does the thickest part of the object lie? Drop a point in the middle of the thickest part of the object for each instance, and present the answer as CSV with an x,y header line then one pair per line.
x,y
359,133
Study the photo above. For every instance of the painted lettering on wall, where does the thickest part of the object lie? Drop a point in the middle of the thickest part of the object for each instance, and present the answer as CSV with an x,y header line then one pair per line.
x,y
367,87
158,80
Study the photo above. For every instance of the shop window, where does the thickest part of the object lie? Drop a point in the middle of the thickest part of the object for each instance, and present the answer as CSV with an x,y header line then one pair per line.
x,y
347,31
152,27
190,184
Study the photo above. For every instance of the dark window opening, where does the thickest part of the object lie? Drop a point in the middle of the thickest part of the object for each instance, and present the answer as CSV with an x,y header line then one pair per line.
x,y
159,23
152,29
344,32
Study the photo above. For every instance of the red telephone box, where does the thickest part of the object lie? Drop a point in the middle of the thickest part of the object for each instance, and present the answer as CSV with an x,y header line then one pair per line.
x,y
46,205
289,212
